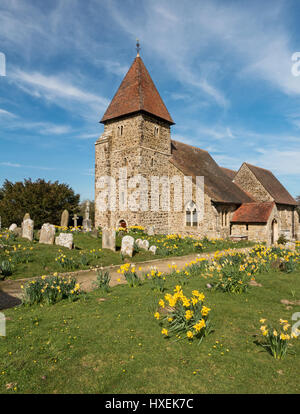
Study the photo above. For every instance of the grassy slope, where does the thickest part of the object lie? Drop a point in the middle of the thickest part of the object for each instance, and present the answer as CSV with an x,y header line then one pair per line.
x,y
115,346
43,256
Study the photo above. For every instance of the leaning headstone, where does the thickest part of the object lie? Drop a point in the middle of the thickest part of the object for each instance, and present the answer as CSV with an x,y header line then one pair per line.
x,y
144,245
12,227
65,240
47,234
26,217
27,229
153,249
109,239
127,246
64,221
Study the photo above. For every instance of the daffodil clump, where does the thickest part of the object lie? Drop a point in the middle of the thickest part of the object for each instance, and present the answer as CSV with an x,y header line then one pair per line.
x,y
68,229
267,258
130,274
277,339
65,262
232,271
297,245
184,317
12,254
50,289
157,279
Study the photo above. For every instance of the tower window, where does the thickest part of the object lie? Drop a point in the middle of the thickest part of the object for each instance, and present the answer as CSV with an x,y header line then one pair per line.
x,y
152,162
120,130
156,131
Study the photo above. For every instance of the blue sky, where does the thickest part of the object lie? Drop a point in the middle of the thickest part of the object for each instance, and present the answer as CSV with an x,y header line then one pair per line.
x,y
222,68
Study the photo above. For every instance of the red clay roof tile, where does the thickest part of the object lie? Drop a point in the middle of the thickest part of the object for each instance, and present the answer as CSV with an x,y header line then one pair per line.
x,y
137,92
253,212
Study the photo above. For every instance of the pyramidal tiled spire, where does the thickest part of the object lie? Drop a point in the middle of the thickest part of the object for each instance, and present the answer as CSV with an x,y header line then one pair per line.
x,y
136,93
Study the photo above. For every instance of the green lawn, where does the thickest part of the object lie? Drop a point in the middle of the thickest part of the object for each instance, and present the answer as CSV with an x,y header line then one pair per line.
x,y
40,259
111,343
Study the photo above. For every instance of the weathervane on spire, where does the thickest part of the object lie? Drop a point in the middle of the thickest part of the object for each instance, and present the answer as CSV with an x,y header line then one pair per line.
x,y
138,47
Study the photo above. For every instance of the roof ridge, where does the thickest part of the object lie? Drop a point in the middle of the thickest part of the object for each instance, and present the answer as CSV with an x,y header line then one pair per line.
x,y
191,146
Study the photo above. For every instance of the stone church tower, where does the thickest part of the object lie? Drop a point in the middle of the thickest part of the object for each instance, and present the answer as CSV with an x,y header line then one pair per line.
x,y
136,136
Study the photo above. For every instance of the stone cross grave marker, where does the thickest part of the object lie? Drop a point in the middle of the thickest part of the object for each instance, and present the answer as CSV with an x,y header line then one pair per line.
x,y
75,218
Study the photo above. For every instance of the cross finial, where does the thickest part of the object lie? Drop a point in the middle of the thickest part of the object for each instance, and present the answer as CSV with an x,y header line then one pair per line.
x,y
138,47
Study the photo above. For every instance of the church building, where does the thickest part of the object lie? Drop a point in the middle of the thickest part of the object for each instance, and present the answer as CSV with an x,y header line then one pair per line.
x,y
249,203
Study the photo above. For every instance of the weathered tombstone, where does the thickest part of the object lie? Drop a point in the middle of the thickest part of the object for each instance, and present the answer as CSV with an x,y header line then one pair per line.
x,y
12,227
290,245
94,233
144,245
87,224
150,231
64,221
75,218
153,249
18,231
26,217
127,246
27,229
65,240
109,239
138,242
47,234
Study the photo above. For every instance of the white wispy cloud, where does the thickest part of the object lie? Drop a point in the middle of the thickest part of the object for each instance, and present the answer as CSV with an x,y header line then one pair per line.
x,y
56,89
6,113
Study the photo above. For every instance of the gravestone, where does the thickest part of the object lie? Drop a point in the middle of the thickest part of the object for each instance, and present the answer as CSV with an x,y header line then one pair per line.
x,y
65,240
27,229
26,217
87,224
109,239
138,242
12,227
127,246
144,245
153,249
0,222
64,221
150,231
75,218
18,231
47,234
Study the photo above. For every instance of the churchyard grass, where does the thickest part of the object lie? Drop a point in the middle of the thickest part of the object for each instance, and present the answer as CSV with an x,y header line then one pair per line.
x,y
29,259
111,342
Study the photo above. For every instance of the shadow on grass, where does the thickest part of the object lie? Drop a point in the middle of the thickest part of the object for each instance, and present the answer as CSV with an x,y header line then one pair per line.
x,y
265,347
8,301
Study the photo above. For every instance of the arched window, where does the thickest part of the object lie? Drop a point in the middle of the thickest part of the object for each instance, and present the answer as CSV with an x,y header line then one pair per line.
x,y
156,131
191,214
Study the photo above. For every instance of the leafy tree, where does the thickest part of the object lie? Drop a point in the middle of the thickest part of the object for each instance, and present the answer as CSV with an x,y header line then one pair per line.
x,y
44,201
